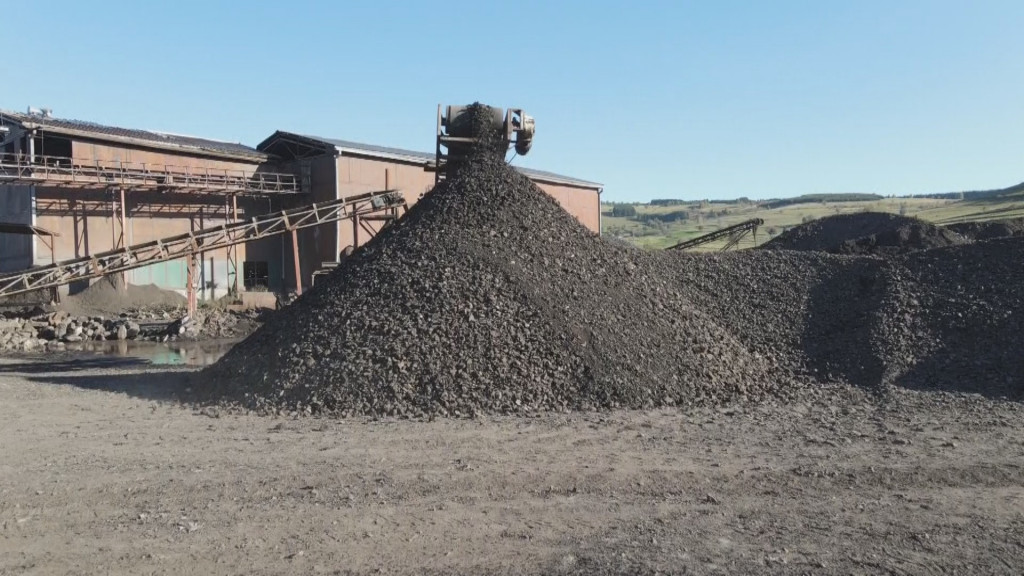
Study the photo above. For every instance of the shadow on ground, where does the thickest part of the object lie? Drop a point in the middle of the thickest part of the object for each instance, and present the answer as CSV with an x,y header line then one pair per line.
x,y
135,377
77,364
163,386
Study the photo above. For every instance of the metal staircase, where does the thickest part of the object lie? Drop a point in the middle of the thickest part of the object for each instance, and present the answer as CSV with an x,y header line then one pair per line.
x,y
733,233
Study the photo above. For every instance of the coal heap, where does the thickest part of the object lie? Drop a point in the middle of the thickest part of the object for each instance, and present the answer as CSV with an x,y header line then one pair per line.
x,y
865,233
816,313
488,297
962,310
1010,227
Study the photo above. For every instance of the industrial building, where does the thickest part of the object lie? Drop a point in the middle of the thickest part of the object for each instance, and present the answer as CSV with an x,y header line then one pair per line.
x,y
74,189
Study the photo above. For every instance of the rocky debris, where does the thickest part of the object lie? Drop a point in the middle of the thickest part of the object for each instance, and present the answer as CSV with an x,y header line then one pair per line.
x,y
1011,227
865,233
37,329
20,335
216,323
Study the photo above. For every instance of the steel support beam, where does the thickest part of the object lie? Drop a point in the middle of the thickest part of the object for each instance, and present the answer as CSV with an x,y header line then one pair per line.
x,y
189,244
233,251
58,171
295,257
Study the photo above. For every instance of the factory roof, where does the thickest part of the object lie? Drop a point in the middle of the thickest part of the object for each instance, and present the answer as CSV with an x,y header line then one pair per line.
x,y
142,138
320,144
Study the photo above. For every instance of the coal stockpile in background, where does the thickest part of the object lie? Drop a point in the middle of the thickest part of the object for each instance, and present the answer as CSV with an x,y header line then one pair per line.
x,y
488,297
819,314
962,314
942,319
865,233
1011,227
111,294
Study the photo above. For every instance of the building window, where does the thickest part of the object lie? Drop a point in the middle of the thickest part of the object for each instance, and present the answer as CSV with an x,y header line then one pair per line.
x,y
256,275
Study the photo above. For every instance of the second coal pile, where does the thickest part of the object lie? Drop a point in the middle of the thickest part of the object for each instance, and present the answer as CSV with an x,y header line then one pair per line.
x,y
488,297
989,230
866,233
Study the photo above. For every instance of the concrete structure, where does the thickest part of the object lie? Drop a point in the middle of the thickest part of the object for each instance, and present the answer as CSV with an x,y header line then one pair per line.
x,y
101,187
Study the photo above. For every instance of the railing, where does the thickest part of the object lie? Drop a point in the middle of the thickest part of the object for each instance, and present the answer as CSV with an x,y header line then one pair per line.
x,y
70,172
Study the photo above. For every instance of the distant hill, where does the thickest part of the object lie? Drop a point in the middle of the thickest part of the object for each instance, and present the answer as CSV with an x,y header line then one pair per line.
x,y
780,202
976,194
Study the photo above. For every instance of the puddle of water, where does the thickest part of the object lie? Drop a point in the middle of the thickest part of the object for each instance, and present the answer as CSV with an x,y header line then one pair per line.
x,y
160,353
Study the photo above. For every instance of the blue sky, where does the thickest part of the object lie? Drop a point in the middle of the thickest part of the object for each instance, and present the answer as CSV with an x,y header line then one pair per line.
x,y
710,99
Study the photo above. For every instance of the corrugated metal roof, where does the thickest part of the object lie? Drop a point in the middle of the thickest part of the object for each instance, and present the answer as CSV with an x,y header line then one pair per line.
x,y
131,135
361,149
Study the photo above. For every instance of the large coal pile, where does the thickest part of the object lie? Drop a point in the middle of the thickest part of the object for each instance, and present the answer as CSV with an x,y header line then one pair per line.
x,y
865,233
487,296
1011,227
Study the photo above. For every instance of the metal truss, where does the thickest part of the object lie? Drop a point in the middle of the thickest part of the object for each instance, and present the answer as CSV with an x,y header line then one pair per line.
x,y
71,173
190,244
734,233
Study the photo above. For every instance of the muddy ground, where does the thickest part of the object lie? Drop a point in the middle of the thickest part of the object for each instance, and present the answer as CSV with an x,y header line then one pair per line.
x,y
102,471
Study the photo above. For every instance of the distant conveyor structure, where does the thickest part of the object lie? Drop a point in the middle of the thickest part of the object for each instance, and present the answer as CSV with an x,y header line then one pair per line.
x,y
380,205
734,233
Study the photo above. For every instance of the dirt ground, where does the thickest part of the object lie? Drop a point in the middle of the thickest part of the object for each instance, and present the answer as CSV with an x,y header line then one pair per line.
x,y
102,471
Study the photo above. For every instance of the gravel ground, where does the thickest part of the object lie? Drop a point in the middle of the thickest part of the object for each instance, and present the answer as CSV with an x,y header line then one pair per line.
x,y
103,472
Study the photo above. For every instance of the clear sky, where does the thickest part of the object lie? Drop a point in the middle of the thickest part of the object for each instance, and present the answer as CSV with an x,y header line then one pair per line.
x,y
675,99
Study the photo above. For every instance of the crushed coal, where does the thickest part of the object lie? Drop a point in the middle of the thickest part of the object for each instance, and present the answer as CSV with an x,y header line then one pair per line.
x,y
865,233
111,295
488,298
963,317
989,230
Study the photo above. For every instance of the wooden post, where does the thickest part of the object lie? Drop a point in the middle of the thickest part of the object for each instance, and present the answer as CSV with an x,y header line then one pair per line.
x,y
233,250
190,288
201,258
298,268
118,234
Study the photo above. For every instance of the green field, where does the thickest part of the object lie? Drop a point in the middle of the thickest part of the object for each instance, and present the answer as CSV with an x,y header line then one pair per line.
x,y
704,217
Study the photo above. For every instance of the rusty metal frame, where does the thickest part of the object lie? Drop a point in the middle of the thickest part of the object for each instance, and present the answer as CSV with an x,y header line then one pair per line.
x,y
72,173
189,244
45,236
92,203
734,233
